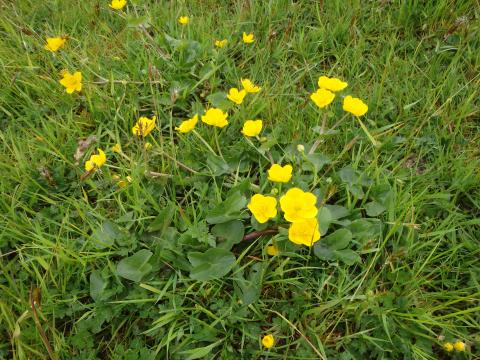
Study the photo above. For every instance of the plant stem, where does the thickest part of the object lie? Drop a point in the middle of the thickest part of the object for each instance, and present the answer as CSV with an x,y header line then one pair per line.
x,y
204,142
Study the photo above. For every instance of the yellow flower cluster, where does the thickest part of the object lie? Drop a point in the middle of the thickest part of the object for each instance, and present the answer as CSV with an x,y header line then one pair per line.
x,y
217,117
144,126
299,208
237,96
327,87
458,346
96,161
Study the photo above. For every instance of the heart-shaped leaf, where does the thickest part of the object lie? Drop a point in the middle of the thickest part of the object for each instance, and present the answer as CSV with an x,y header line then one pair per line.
x,y
211,264
229,233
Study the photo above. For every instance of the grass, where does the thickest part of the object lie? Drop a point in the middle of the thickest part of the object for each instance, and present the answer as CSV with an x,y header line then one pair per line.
x,y
417,284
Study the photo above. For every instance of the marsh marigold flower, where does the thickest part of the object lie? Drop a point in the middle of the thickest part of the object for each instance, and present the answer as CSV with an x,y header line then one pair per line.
x,y
118,4
249,86
184,20
187,125
268,341
322,97
144,126
332,84
248,38
221,43
298,205
53,44
116,148
252,127
215,117
355,106
304,232
278,173
96,161
459,346
72,82
236,96
263,207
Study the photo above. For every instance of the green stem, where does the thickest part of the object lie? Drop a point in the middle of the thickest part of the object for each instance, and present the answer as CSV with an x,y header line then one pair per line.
x,y
204,142
218,144
253,145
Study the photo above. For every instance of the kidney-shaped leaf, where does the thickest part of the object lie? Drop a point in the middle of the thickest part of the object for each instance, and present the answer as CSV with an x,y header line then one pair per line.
x,y
211,264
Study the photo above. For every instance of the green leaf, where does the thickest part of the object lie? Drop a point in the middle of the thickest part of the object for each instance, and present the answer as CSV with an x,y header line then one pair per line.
x,y
324,218
219,100
142,21
97,285
249,290
337,211
211,264
382,194
227,210
356,191
374,208
322,251
163,219
364,230
318,161
338,240
136,266
105,235
348,175
229,233
348,256
199,353
217,165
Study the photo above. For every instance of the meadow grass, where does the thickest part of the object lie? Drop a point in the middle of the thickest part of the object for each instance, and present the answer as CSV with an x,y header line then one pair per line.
x,y
417,285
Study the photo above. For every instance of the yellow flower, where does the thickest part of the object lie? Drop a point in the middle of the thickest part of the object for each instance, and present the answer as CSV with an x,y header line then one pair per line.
x,y
53,44
272,250
459,346
304,232
332,84
322,97
355,106
448,347
147,146
252,127
277,173
187,125
263,207
268,341
221,43
118,4
215,117
72,82
236,96
96,161
248,38
117,148
249,86
298,205
184,20
144,126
